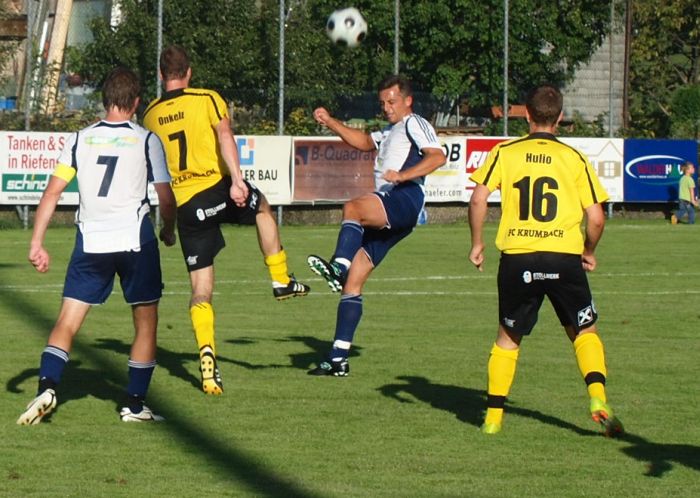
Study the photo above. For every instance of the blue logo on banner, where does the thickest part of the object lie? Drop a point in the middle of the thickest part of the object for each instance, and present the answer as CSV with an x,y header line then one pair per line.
x,y
246,151
301,155
653,168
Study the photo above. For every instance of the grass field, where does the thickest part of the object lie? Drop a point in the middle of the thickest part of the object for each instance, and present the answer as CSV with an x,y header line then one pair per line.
x,y
404,424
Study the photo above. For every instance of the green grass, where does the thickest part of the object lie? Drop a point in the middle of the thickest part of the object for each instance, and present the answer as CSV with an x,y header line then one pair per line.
x,y
404,424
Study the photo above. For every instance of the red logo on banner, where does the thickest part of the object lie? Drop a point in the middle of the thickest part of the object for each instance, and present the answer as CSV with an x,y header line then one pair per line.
x,y
478,149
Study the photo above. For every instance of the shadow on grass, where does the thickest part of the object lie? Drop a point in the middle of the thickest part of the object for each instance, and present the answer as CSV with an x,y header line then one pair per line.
x,y
176,362
12,265
468,406
319,351
78,382
234,464
316,351
659,458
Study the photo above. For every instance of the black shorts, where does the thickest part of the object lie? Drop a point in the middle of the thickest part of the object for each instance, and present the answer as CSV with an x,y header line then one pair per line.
x,y
200,218
524,280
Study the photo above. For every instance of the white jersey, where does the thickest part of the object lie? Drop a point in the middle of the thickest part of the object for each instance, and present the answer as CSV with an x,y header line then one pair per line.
x,y
114,162
400,147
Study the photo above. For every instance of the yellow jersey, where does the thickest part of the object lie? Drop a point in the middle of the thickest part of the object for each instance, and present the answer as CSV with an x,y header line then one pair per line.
x,y
185,120
545,187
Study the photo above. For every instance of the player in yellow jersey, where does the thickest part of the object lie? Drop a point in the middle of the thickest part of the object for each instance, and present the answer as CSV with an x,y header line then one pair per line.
x,y
202,156
546,188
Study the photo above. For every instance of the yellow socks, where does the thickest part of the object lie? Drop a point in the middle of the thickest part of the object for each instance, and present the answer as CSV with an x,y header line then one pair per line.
x,y
501,369
202,315
277,266
591,361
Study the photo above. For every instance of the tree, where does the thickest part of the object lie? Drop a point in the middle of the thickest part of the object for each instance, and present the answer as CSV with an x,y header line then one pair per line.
x,y
685,112
7,49
665,57
449,48
221,44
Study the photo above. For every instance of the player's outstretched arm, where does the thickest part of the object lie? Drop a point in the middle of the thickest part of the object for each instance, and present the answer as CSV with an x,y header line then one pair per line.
x,y
38,255
478,207
353,137
595,224
432,159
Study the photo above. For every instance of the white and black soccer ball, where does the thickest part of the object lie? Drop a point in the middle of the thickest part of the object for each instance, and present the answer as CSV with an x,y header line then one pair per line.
x,y
346,27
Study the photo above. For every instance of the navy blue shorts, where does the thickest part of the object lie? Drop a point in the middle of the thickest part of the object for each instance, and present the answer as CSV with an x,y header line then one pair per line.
x,y
402,204
90,277
525,279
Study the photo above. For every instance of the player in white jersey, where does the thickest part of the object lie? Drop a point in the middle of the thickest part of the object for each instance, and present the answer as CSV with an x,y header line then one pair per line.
x,y
114,161
400,145
374,223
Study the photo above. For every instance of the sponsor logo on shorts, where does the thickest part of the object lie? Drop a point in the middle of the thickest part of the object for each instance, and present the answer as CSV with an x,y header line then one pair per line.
x,y
585,315
509,322
213,210
529,276
192,260
203,214
253,201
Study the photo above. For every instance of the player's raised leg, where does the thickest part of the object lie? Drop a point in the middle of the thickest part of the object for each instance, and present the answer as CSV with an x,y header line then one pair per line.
x,y
347,319
365,211
284,285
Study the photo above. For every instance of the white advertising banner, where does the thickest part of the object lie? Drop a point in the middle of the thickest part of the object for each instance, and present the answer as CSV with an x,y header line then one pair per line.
x,y
446,184
27,160
606,156
266,162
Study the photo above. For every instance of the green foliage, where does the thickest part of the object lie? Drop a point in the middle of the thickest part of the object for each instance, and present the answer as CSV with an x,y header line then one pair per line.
x,y
456,47
516,128
575,127
8,87
685,112
59,121
579,127
664,57
450,48
300,122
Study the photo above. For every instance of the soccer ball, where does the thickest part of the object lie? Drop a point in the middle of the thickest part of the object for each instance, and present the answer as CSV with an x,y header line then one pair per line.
x,y
346,27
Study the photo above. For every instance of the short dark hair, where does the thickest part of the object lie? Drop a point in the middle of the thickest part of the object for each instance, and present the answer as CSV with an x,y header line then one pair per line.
x,y
397,80
121,89
174,63
544,104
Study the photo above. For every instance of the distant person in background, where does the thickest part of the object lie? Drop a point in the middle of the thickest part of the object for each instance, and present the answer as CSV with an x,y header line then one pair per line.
x,y
113,160
546,188
374,223
687,200
202,156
